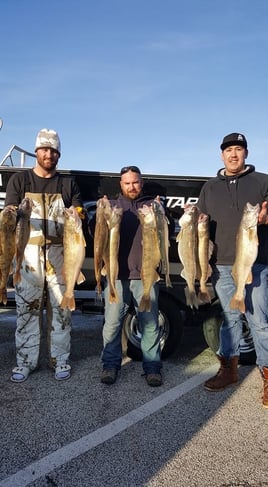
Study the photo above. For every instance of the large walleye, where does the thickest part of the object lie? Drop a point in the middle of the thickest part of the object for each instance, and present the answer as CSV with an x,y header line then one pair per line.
x,y
22,235
73,256
101,244
150,254
113,217
187,239
162,233
205,249
246,253
8,218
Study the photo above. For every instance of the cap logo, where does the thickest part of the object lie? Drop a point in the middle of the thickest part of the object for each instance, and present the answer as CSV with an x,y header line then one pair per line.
x,y
240,137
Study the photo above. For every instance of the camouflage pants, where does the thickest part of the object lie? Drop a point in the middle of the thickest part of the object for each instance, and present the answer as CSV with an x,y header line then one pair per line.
x,y
41,287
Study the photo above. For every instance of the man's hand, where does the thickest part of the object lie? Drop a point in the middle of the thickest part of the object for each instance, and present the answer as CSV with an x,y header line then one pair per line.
x,y
263,215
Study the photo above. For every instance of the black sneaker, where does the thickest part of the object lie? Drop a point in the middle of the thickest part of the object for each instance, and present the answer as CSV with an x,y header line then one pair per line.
x,y
154,380
109,376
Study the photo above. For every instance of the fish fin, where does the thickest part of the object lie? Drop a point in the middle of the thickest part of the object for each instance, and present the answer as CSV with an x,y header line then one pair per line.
x,y
210,249
113,296
238,304
191,298
104,271
81,278
249,278
179,235
145,304
204,297
68,302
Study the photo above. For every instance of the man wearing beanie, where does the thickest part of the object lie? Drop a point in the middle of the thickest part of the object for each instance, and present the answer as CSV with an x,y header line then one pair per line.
x,y
41,271
224,198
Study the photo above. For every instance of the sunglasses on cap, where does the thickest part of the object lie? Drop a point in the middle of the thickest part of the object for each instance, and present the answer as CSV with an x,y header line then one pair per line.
x,y
130,168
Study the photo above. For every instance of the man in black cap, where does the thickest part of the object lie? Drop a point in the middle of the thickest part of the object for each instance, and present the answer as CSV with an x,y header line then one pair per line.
x,y
224,198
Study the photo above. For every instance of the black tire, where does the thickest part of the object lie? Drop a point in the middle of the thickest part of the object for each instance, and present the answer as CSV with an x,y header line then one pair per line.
x,y
211,330
171,324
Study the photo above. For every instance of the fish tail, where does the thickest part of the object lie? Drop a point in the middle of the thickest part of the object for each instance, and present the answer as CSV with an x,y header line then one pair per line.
x,y
3,296
98,290
68,302
168,281
113,297
81,278
16,277
237,303
145,304
204,296
191,298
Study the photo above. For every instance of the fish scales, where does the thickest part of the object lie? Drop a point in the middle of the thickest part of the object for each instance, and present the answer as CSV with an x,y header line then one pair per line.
x,y
246,254
22,235
150,255
163,238
8,220
187,240
113,217
101,243
205,248
73,256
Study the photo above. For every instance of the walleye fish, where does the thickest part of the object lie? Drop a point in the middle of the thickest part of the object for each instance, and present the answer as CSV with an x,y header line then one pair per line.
x,y
8,219
22,235
101,244
187,250
73,256
163,240
246,254
150,254
113,217
205,249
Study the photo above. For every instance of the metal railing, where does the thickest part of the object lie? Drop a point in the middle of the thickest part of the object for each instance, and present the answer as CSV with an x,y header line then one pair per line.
x,y
15,153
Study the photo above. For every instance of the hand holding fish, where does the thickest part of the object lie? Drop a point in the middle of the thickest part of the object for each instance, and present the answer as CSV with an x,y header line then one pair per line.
x,y
263,215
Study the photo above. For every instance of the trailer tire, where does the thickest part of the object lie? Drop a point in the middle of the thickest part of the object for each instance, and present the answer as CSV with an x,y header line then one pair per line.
x,y
211,330
171,325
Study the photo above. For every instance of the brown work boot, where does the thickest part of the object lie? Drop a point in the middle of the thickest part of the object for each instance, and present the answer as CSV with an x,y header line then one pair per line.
x,y
265,387
226,375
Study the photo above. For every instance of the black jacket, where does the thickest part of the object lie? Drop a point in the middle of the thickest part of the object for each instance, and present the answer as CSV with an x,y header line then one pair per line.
x,y
223,198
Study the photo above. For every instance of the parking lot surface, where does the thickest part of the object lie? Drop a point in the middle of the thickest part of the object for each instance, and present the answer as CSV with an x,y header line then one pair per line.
x,y
83,433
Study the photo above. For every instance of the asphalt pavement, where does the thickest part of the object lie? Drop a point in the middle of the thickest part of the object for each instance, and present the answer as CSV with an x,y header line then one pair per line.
x,y
83,433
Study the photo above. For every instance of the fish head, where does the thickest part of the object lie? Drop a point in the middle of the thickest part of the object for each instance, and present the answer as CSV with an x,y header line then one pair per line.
x,y
250,215
26,206
190,216
158,207
203,218
115,216
9,214
72,218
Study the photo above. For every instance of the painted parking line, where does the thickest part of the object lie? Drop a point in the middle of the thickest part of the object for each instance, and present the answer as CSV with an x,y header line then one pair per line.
x,y
73,450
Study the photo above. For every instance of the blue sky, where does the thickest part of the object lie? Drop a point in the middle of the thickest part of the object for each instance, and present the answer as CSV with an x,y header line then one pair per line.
x,y
156,83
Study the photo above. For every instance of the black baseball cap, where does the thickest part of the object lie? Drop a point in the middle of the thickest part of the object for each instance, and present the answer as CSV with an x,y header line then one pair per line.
x,y
234,139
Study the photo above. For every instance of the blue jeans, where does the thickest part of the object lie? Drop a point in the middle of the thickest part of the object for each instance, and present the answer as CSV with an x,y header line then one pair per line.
x,y
128,291
256,301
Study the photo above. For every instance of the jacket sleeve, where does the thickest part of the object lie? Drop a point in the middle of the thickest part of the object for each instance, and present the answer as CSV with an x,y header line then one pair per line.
x,y
15,190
